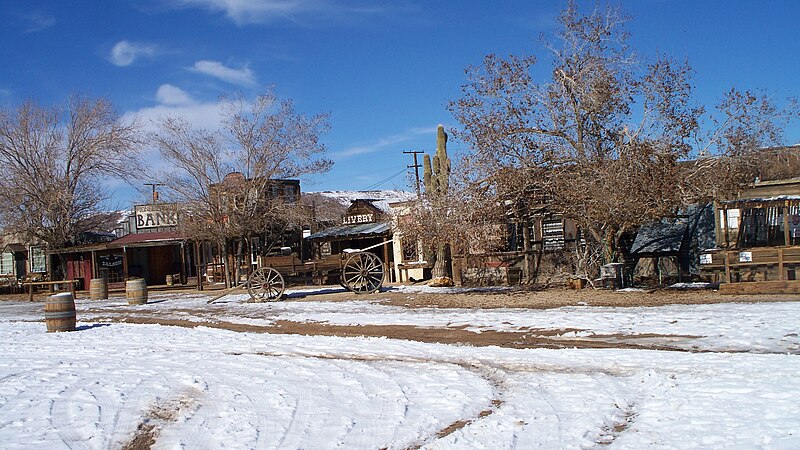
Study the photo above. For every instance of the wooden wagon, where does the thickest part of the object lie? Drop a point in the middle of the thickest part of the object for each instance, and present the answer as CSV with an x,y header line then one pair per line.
x,y
360,272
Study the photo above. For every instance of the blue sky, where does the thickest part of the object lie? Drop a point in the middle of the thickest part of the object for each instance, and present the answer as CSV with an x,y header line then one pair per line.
x,y
384,70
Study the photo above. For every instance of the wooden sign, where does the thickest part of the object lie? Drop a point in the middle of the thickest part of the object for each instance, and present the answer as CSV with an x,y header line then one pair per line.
x,y
358,219
155,216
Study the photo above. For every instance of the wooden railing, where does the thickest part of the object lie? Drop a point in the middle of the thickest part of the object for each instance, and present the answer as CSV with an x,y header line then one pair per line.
x,y
754,264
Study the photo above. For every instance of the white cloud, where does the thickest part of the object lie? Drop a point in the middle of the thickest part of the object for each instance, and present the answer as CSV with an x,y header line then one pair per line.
x,y
243,76
168,94
245,12
173,101
388,141
124,53
242,12
38,22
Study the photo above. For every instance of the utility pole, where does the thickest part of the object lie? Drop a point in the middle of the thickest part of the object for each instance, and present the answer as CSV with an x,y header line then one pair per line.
x,y
415,166
155,194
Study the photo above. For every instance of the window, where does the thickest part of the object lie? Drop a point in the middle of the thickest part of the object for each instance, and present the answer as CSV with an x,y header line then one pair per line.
x,y
255,249
7,263
552,234
289,194
38,259
410,253
733,219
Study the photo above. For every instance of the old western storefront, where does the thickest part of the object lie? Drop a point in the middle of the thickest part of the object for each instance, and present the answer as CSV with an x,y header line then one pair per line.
x,y
758,236
364,226
149,247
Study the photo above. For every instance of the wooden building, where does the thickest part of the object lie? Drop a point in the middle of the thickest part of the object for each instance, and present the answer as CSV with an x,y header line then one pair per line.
x,y
364,226
146,244
757,235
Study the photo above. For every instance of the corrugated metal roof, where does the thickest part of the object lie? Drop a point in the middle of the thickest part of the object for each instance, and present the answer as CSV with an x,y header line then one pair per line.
x,y
344,231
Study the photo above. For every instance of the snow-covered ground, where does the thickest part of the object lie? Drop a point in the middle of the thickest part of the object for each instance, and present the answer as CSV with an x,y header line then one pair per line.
x,y
212,388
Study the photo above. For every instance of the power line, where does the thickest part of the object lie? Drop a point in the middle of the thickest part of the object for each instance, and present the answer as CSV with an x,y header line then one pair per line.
x,y
383,181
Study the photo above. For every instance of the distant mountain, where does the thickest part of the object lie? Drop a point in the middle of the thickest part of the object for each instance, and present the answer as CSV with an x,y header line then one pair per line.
x,y
331,205
382,197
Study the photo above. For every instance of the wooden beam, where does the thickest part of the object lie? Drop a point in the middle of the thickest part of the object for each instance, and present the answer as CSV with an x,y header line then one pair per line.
x,y
125,263
786,223
727,258
94,273
725,224
761,287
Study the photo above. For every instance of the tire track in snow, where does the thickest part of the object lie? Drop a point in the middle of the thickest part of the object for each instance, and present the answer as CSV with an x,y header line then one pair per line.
x,y
495,374
486,372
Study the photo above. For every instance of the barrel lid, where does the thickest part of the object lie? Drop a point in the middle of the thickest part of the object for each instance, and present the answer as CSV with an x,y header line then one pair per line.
x,y
62,294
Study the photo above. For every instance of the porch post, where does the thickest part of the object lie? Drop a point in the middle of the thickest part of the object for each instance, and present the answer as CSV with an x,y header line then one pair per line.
x,y
94,273
125,263
727,266
725,225
183,263
785,223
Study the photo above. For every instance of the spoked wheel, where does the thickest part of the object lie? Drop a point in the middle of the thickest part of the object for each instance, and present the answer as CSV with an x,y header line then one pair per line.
x,y
265,284
363,273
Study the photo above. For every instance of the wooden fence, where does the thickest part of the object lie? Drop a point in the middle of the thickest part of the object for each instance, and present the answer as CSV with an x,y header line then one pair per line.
x,y
752,264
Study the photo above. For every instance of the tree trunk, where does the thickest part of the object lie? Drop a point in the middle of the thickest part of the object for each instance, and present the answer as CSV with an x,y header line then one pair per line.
x,y
239,260
440,266
223,246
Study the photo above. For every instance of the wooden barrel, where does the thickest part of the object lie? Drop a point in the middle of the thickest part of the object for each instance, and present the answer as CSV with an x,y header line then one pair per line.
x,y
98,289
170,281
59,312
136,291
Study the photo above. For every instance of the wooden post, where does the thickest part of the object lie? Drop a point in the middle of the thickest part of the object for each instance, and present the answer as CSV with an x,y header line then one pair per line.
x,y
718,225
30,292
183,263
725,226
456,271
781,274
727,266
526,247
94,273
785,223
387,267
125,263
198,265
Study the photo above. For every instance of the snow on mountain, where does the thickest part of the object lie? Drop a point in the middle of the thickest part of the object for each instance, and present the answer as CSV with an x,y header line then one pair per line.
x,y
382,197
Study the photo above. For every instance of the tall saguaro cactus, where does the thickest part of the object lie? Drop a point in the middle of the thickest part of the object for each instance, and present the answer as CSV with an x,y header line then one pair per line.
x,y
436,177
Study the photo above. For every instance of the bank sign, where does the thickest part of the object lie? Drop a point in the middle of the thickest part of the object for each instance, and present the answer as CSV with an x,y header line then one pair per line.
x,y
155,216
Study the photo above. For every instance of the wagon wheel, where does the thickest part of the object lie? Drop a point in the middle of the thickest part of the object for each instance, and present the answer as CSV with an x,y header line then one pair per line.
x,y
265,283
363,273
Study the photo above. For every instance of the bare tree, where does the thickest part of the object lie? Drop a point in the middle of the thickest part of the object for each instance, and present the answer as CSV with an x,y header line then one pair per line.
x,y
606,138
224,178
56,164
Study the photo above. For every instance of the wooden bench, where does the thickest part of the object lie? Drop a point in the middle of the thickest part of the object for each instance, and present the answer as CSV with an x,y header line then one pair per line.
x,y
31,284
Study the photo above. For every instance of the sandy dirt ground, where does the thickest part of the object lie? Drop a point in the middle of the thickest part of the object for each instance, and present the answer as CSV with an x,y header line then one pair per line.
x,y
557,297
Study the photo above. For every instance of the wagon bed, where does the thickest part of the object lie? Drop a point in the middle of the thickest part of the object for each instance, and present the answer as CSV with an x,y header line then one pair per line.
x,y
360,272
